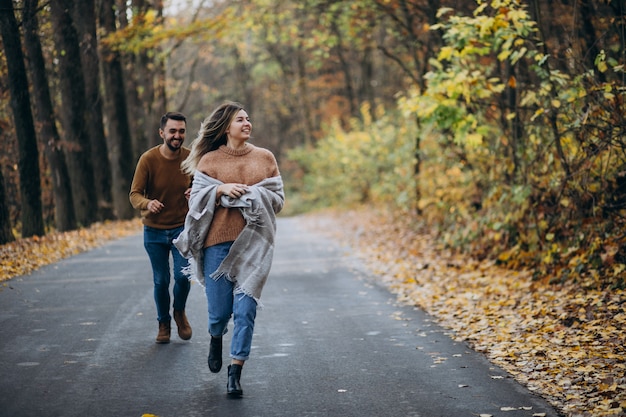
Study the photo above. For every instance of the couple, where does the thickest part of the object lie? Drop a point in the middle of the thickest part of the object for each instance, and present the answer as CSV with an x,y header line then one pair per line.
x,y
221,230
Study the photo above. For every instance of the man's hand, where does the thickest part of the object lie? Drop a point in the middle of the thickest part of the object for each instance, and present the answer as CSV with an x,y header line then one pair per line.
x,y
155,206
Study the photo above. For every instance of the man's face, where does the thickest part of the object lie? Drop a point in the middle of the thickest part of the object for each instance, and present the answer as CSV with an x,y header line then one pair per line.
x,y
173,134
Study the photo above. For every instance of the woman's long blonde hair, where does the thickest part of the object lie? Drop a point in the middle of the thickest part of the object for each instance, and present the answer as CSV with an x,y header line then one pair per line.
x,y
212,134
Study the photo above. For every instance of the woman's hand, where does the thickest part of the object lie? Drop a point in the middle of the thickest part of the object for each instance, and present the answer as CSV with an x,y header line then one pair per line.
x,y
233,190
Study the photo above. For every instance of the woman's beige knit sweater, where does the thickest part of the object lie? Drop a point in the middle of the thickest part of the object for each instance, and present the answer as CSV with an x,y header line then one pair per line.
x,y
249,166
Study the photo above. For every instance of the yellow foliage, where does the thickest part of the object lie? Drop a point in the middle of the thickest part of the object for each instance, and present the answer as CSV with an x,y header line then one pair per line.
x,y
445,53
27,255
474,139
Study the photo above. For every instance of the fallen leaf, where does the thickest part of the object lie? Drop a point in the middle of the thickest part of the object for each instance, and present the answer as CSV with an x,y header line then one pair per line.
x,y
563,342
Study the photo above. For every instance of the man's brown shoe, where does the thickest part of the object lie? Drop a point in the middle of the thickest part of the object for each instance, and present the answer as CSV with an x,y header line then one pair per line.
x,y
184,329
165,329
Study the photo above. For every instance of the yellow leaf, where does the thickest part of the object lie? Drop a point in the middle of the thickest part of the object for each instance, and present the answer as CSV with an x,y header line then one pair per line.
x,y
445,53
504,54
474,139
538,113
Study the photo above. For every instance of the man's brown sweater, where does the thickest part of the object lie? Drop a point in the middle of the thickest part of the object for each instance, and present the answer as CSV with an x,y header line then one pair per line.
x,y
157,177
249,166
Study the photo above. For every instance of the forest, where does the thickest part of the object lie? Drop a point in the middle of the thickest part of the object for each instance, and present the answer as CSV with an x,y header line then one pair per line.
x,y
498,124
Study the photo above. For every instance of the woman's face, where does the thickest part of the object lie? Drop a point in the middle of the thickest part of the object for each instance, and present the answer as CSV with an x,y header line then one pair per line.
x,y
240,127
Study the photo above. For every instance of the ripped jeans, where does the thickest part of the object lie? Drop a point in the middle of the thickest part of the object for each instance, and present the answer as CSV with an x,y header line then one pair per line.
x,y
223,304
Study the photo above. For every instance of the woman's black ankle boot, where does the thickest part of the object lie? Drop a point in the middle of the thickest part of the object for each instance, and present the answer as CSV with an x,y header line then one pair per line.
x,y
233,388
215,354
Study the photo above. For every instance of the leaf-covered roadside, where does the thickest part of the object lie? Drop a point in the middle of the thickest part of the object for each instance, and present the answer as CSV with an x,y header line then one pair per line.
x,y
564,342
24,256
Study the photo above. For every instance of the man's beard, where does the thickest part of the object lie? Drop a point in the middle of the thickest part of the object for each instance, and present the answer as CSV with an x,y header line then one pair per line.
x,y
172,148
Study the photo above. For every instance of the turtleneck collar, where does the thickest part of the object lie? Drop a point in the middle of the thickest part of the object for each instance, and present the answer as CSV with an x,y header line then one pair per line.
x,y
236,152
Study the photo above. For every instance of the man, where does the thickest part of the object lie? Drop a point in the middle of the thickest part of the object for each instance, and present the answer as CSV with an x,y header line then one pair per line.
x,y
160,190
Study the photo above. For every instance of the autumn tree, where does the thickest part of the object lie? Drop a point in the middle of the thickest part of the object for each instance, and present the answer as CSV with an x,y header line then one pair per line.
x,y
144,72
46,122
119,134
6,235
72,91
84,19
30,185
137,116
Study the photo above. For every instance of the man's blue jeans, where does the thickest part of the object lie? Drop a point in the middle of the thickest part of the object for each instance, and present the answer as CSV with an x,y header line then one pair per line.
x,y
158,244
224,303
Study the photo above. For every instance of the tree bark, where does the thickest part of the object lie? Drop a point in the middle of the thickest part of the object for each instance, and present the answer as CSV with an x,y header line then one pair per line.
x,y
30,185
6,235
158,103
65,218
130,65
120,141
588,39
85,21
72,86
345,67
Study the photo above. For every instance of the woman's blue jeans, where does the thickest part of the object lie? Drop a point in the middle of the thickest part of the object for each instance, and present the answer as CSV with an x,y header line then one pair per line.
x,y
224,303
158,244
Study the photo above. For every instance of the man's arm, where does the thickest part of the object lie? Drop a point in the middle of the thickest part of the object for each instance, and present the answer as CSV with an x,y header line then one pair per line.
x,y
137,194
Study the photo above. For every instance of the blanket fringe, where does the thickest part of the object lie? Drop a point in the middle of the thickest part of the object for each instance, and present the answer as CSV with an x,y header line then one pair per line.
x,y
190,272
252,217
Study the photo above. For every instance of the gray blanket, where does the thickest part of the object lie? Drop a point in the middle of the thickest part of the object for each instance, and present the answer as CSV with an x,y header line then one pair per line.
x,y
249,260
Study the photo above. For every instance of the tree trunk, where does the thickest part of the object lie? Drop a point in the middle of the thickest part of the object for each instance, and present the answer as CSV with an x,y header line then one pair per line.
x,y
6,235
345,66
72,86
151,81
366,89
136,109
85,22
159,103
588,39
48,133
30,185
120,141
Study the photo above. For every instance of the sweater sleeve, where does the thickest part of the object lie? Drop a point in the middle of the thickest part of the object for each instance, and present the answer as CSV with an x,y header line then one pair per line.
x,y
138,187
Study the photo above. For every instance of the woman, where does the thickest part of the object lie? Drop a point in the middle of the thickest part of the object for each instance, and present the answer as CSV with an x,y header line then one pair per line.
x,y
229,229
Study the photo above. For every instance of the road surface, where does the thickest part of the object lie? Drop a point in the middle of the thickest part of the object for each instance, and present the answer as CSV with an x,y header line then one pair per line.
x,y
77,339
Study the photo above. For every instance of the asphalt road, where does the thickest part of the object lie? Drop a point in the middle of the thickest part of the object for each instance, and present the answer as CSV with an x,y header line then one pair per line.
x,y
77,339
